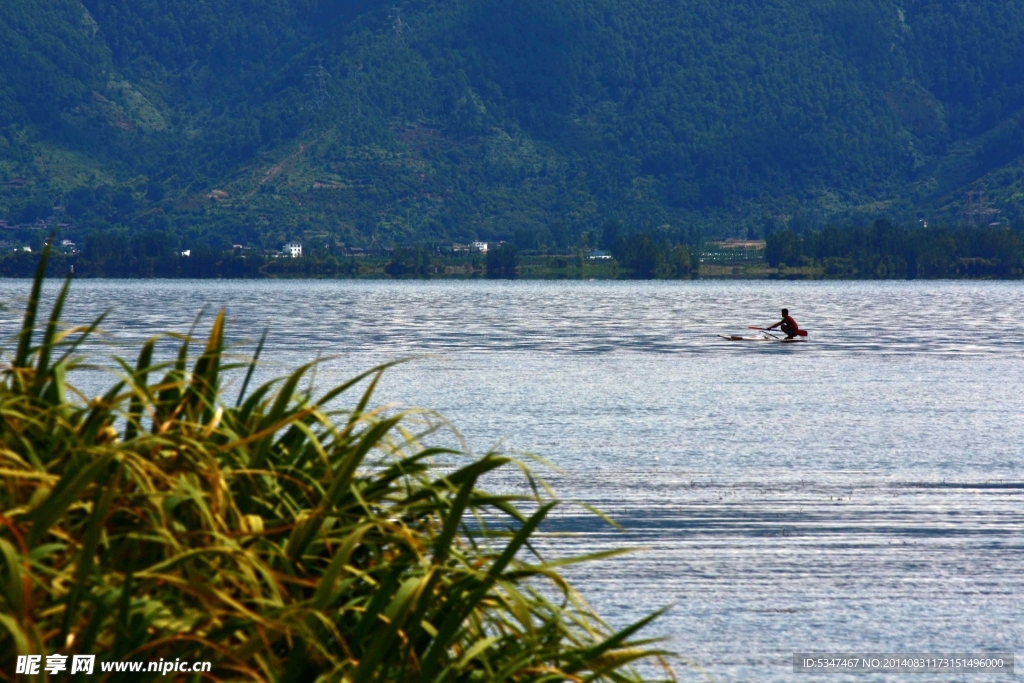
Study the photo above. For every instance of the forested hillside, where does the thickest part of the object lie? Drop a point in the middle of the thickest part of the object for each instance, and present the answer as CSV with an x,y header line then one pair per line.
x,y
212,122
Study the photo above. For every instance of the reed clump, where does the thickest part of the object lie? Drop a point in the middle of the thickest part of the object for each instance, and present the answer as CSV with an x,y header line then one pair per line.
x,y
275,536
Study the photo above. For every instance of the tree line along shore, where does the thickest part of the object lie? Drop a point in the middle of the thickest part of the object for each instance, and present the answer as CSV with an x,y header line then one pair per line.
x,y
880,250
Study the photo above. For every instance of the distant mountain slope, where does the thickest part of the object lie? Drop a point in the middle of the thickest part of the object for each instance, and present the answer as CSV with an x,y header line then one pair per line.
x,y
51,61
454,119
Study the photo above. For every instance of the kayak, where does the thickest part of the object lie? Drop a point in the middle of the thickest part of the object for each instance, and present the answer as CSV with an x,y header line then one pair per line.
x,y
736,337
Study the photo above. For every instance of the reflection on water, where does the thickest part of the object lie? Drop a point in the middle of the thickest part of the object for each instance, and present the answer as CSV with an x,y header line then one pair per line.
x,y
864,491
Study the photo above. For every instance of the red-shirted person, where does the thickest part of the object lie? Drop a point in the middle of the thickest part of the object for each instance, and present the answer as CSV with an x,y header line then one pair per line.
x,y
787,325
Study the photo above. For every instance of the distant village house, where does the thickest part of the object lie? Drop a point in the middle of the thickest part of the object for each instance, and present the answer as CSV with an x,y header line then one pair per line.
x,y
292,249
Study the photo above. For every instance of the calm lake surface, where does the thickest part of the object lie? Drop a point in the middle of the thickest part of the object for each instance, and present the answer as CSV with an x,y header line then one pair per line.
x,y
863,492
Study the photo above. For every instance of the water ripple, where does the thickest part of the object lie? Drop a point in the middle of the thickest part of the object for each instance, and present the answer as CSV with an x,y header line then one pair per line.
x,y
861,492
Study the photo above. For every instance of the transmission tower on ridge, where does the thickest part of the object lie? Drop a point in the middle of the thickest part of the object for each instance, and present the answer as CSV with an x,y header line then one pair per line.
x,y
319,77
978,207
397,26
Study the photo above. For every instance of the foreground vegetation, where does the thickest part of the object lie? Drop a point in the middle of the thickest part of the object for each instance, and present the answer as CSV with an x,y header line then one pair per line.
x,y
276,536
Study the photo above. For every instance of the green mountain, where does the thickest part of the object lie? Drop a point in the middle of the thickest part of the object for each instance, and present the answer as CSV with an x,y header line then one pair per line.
x,y
439,120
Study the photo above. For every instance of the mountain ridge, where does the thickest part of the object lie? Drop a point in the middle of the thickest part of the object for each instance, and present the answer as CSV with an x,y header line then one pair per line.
x,y
454,120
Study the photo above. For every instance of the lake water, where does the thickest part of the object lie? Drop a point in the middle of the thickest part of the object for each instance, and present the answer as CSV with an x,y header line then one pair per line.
x,y
863,492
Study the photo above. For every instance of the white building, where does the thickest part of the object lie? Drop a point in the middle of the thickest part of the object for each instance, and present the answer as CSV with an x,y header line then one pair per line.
x,y
293,249
480,246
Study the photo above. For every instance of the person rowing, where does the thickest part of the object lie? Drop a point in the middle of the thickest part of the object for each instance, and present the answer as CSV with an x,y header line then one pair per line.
x,y
788,325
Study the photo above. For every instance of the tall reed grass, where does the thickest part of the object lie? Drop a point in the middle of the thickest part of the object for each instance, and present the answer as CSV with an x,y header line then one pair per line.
x,y
275,535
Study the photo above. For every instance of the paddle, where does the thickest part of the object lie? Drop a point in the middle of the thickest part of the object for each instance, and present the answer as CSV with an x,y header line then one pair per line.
x,y
802,333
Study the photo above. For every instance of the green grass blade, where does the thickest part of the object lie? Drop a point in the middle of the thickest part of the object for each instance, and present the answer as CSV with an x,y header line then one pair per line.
x,y
443,544
49,334
403,602
28,324
455,617
13,588
63,495
140,395
252,367
615,641
90,541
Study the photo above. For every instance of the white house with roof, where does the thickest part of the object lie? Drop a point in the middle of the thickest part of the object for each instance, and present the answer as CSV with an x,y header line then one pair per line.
x,y
292,249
